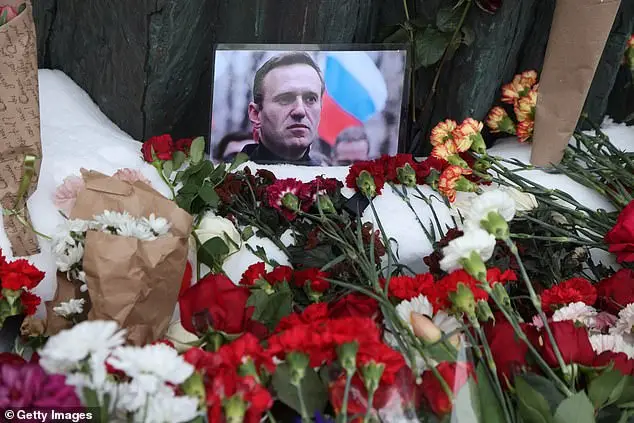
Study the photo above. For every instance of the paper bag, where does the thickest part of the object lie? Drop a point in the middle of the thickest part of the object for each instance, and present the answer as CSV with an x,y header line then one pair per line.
x,y
20,145
66,290
577,38
133,282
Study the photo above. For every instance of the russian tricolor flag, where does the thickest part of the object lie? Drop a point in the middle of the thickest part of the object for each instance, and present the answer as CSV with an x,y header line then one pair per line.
x,y
355,91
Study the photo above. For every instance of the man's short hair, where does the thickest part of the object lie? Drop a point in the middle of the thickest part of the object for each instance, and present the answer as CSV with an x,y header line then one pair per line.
x,y
352,134
287,59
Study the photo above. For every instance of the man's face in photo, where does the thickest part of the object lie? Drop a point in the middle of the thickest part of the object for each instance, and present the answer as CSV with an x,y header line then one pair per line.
x,y
289,115
349,152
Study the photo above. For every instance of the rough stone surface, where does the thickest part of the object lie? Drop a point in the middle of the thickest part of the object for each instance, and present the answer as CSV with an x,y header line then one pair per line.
x,y
147,63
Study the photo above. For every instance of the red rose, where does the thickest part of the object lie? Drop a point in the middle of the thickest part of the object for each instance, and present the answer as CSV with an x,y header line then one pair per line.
x,y
20,274
573,343
3,260
279,275
162,145
570,291
455,374
215,302
354,305
621,237
29,302
509,353
183,144
617,291
187,279
620,360
252,274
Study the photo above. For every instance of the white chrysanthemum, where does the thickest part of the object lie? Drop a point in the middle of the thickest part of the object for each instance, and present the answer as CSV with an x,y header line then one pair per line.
x,y
614,342
478,240
151,365
624,324
577,312
64,350
112,219
496,201
69,258
168,408
135,229
70,307
159,225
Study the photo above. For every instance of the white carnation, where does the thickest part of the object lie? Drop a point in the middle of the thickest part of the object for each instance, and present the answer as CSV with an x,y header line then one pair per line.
x,y
613,342
577,312
624,324
496,201
165,407
478,240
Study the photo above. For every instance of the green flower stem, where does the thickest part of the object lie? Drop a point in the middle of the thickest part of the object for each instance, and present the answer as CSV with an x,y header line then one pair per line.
x,y
407,201
368,412
538,306
302,403
428,202
559,239
490,362
159,168
269,415
592,237
343,415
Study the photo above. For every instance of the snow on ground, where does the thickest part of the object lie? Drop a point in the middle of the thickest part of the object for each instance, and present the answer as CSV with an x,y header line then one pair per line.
x,y
76,134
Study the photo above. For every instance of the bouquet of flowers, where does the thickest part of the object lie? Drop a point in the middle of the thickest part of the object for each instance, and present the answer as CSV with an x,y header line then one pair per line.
x,y
17,279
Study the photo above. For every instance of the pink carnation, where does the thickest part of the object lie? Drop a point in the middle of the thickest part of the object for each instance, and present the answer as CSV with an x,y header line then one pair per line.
x,y
131,176
66,194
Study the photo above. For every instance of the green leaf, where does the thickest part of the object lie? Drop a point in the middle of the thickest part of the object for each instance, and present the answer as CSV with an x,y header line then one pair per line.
x,y
489,404
547,388
209,195
313,391
442,351
532,405
271,309
197,150
317,257
607,388
398,36
168,168
218,174
257,299
468,36
178,157
448,18
577,409
238,160
3,17
213,251
247,233
627,395
429,46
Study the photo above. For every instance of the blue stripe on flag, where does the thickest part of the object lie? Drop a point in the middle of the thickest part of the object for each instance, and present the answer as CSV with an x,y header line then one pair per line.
x,y
344,88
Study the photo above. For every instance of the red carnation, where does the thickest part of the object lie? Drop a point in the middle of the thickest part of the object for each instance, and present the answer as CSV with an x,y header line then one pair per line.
x,y
20,274
280,274
381,353
162,145
374,168
449,284
620,360
617,291
29,302
621,237
314,277
496,275
455,375
314,313
247,346
408,287
253,273
284,196
570,291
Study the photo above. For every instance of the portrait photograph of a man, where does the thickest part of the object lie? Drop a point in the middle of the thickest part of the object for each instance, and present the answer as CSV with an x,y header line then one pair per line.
x,y
306,107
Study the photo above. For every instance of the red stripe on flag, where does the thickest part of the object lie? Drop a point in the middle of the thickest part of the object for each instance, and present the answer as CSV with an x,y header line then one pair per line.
x,y
334,120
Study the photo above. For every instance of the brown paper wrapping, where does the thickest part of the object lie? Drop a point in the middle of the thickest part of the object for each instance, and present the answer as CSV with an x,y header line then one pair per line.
x,y
19,121
577,38
66,290
133,282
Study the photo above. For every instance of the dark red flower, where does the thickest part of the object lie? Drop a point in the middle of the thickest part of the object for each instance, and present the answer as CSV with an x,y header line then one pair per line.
x,y
187,279
570,291
620,360
314,277
374,168
620,238
573,343
354,305
216,303
284,196
253,273
455,375
509,352
162,145
183,144
279,275
3,260
617,291
29,302
20,274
